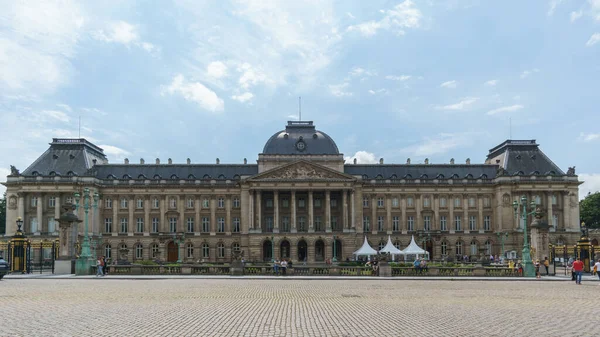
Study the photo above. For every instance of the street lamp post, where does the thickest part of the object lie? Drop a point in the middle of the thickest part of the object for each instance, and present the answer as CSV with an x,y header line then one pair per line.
x,y
502,236
179,240
528,269
334,251
83,262
273,247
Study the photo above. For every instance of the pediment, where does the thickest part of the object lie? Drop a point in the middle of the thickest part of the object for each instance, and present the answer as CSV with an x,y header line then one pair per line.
x,y
302,170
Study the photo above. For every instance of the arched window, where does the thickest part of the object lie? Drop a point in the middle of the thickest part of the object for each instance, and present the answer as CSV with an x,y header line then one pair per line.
x,y
205,251
235,247
236,177
189,251
157,177
126,176
154,249
52,173
35,173
379,176
393,177
473,247
107,251
381,245
192,177
221,250
397,244
459,250
141,176
206,177
488,247
444,247
71,174
139,251
174,177
222,176
365,177
484,176
469,176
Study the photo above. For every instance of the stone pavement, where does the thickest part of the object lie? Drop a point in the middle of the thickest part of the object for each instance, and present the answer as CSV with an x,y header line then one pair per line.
x,y
292,307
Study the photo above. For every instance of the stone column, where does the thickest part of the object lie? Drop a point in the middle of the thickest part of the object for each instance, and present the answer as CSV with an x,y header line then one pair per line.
x,y
566,206
465,220
228,226
21,207
388,214
40,213
374,224
197,221
115,220
450,222
162,226
147,222
258,210
550,212
328,211
311,227
353,215
435,225
275,211
418,207
344,218
251,209
480,214
213,215
293,217
404,224
131,222
57,208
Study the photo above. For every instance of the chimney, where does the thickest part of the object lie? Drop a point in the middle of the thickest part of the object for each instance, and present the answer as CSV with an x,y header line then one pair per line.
x,y
408,161
468,161
126,161
218,161
245,161
497,161
94,161
354,161
380,161
189,161
451,161
157,161
426,161
170,161
142,162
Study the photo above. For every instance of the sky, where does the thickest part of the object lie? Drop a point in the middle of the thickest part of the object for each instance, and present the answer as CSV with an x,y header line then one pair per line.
x,y
385,79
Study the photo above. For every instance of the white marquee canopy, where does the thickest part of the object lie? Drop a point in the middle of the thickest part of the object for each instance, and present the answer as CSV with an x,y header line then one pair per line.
x,y
414,249
365,250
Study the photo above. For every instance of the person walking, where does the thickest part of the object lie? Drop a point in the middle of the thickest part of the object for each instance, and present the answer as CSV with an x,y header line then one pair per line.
x,y
597,269
578,269
284,267
537,269
99,266
104,265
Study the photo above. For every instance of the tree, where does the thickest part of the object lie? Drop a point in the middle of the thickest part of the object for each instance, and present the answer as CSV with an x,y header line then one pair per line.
x,y
3,215
589,210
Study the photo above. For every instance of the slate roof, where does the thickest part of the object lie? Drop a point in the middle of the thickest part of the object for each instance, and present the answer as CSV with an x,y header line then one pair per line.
x,y
420,171
66,157
316,142
175,171
523,157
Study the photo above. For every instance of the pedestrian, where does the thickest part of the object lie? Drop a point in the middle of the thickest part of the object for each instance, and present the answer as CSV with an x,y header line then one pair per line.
x,y
284,267
597,269
276,264
547,265
104,267
99,265
537,269
578,269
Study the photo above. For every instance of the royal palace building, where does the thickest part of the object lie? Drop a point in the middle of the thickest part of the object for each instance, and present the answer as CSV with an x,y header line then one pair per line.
x,y
300,200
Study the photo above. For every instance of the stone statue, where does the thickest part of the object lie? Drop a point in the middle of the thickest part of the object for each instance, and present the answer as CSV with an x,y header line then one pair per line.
x,y
14,171
571,171
500,171
237,255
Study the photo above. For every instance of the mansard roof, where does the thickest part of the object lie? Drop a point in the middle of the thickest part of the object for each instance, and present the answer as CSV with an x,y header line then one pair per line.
x,y
175,171
420,171
523,157
314,142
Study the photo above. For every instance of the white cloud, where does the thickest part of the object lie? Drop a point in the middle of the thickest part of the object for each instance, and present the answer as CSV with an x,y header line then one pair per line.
x,y
350,15
123,33
526,73
588,137
442,143
491,83
449,84
462,105
293,117
357,71
378,91
591,184
553,5
339,90
195,92
250,76
54,114
403,15
398,78
595,38
216,69
362,157
65,107
595,9
576,15
245,97
115,152
510,108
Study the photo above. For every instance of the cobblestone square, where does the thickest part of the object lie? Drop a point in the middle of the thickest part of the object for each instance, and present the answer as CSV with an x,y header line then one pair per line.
x,y
243,307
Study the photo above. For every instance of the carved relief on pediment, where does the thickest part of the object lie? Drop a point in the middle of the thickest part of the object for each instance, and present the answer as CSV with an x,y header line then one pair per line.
x,y
301,171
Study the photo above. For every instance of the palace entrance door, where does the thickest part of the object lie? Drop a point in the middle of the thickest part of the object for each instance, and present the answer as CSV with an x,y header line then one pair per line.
x,y
171,252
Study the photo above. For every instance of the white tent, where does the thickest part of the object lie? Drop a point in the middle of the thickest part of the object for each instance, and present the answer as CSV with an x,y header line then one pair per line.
x,y
414,249
365,250
391,249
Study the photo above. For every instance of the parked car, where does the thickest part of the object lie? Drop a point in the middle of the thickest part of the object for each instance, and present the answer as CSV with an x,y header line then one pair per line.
x,y
3,268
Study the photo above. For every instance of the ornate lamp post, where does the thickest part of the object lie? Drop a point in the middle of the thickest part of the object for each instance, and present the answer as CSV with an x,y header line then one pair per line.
x,y
502,236
179,240
273,247
528,269
84,260
334,250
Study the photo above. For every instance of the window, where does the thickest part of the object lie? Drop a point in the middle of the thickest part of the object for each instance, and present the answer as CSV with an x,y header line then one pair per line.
x,y
221,203
472,223
411,223
381,245
269,203
380,202
365,201
154,249
236,225
205,203
457,223
33,225
124,223
221,250
486,202
235,247
189,251
444,247
139,252
139,203
139,225
269,223
205,251
107,251
173,224
107,225
221,225
426,202
51,202
190,224
124,203
301,223
334,223
487,223
236,202
443,202
51,225
190,203
285,224
456,202
172,203
427,223
397,244
301,203
155,225
34,201
205,225
443,223
488,247
473,247
472,202
394,202
108,203
409,202
69,200
380,220
538,199
318,224
155,203
333,202
317,202
459,250
554,200
285,203
396,224
366,224
555,221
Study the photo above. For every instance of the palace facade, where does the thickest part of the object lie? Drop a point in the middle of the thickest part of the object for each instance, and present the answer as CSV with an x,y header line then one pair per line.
x,y
300,201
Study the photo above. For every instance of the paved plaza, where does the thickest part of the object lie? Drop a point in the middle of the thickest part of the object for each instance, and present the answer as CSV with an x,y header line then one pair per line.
x,y
292,307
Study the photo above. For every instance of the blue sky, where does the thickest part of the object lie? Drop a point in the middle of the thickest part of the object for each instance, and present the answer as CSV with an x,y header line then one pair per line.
x,y
215,79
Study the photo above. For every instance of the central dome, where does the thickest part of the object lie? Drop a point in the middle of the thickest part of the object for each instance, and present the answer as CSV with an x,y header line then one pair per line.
x,y
300,138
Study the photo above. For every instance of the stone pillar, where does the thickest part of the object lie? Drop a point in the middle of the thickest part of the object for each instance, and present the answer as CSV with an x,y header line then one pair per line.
x,y
328,211
293,217
40,214
275,211
565,223
450,222
57,208
418,208
197,221
404,225
115,217
258,223
251,209
21,207
344,218
131,222
352,210
213,215
163,211
550,213
498,212
228,226
435,225
374,224
181,223
480,214
465,217
147,222
388,214
311,215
